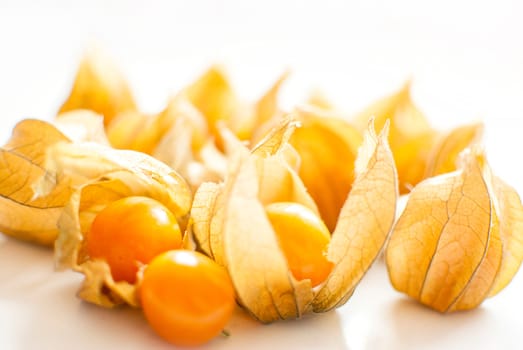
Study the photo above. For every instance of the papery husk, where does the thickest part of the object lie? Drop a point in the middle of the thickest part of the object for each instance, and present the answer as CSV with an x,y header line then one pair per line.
x,y
178,136
327,147
24,214
100,87
419,150
405,118
188,147
144,133
318,99
224,231
364,223
82,125
123,129
265,112
186,135
444,156
230,225
275,178
102,175
459,239
213,95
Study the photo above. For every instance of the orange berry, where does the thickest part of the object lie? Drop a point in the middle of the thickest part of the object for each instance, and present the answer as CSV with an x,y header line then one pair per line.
x,y
186,297
304,239
130,232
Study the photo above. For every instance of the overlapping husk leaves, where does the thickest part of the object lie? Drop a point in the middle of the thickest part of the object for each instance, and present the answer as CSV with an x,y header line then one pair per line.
x,y
99,86
101,175
184,134
327,146
420,151
24,215
230,225
459,239
28,213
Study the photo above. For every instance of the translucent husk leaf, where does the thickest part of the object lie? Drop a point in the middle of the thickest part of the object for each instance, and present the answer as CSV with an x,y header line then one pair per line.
x,y
413,159
267,107
188,147
145,133
327,147
317,99
276,180
99,287
276,163
230,224
205,214
254,124
459,238
208,164
180,108
213,96
123,129
277,139
84,162
419,150
103,175
411,138
82,126
100,87
406,120
510,211
364,222
23,214
188,135
445,153
255,262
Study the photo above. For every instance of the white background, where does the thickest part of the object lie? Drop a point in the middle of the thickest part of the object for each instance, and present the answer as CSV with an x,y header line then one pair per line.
x,y
465,59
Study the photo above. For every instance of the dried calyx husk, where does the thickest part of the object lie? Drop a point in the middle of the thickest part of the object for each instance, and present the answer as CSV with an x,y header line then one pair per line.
x,y
213,95
99,86
230,225
27,212
178,136
459,239
193,143
82,125
327,146
54,185
185,134
24,215
100,175
419,150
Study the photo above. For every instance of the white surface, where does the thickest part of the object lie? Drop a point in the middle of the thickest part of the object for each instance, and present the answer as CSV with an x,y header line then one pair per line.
x,y
466,62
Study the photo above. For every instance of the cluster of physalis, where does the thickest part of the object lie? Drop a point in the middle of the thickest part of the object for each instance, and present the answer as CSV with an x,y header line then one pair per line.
x,y
214,201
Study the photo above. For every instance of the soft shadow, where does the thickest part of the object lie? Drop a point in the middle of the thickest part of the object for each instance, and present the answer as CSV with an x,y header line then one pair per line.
x,y
415,326
74,324
25,266
313,331
11,248
121,325
51,314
